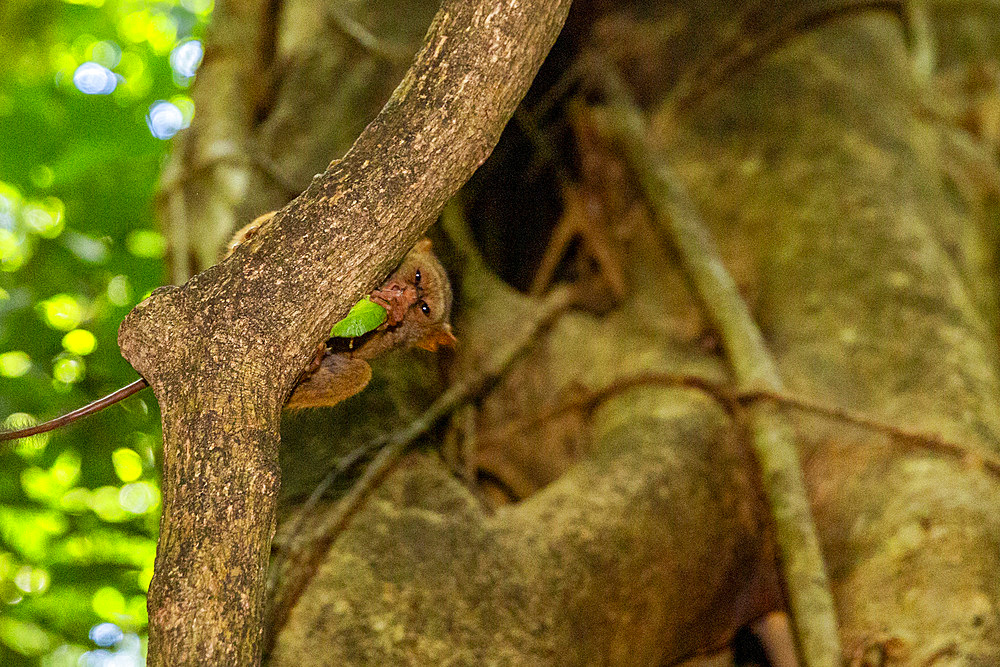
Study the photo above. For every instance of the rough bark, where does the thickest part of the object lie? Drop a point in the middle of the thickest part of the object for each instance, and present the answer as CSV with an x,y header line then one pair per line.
x,y
595,570
807,586
808,148
223,351
875,286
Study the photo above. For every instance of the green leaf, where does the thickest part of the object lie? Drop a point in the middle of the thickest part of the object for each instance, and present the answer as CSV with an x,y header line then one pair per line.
x,y
365,316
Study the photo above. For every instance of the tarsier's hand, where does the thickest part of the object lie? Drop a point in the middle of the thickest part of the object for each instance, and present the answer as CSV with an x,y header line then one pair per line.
x,y
417,298
396,298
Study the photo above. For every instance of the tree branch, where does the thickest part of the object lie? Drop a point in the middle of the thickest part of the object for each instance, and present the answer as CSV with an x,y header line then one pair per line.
x,y
223,351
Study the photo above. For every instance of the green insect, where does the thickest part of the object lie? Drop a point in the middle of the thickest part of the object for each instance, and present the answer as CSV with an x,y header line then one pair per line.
x,y
365,316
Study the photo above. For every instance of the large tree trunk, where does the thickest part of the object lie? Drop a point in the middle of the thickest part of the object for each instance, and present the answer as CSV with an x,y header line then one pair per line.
x,y
876,286
859,223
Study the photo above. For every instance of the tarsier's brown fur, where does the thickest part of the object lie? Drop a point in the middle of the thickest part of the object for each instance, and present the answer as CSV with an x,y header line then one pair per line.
x,y
418,310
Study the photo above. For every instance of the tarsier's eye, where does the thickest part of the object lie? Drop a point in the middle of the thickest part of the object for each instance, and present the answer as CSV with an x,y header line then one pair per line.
x,y
424,308
416,278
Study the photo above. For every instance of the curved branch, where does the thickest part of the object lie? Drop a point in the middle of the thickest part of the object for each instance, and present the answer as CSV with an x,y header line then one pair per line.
x,y
223,351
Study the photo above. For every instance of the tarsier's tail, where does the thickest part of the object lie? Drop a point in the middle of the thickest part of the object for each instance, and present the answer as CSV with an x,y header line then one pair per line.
x,y
69,417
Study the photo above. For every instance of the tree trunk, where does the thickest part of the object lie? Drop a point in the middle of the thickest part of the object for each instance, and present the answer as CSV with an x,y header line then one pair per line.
x,y
858,222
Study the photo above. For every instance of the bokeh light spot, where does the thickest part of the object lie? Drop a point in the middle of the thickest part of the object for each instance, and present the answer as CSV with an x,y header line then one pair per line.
x,y
62,312
68,369
45,217
14,364
65,655
94,79
186,57
198,6
108,603
65,471
161,32
145,444
164,119
88,249
32,445
129,652
79,341
138,80
13,250
186,106
146,243
104,502
105,53
25,637
32,579
106,634
82,45
63,62
37,484
10,199
127,463
133,26
75,500
119,291
139,497
41,176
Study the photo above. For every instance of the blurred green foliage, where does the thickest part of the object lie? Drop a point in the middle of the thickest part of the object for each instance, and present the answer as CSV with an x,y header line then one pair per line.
x,y
78,248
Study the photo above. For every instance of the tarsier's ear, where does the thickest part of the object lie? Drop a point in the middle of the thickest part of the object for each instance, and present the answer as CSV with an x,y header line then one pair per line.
x,y
423,245
440,337
247,232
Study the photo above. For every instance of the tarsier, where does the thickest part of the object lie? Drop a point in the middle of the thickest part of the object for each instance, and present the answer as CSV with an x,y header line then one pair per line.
x,y
417,297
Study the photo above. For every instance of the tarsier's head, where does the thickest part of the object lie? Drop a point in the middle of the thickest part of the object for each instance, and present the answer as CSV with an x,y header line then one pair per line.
x,y
426,323
418,291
